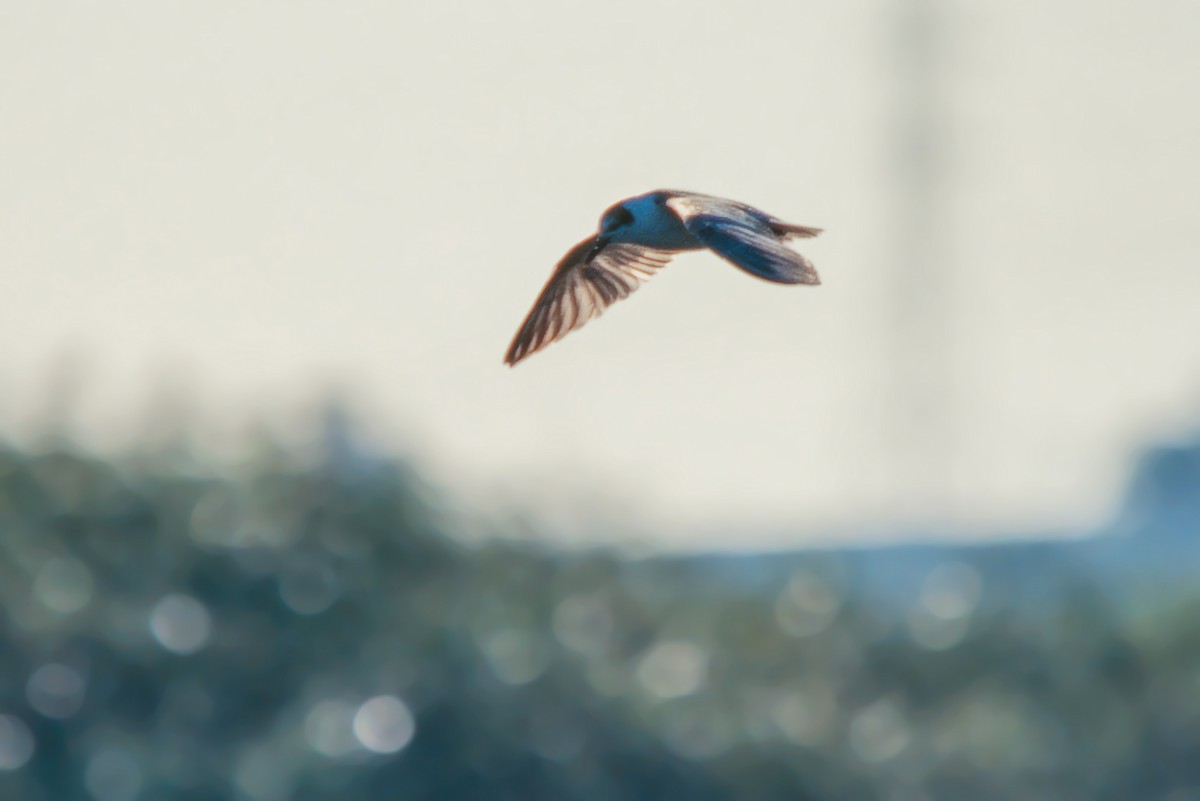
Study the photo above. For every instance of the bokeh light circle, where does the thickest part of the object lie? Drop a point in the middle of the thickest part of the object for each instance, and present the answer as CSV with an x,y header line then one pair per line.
x,y
384,724
16,743
181,624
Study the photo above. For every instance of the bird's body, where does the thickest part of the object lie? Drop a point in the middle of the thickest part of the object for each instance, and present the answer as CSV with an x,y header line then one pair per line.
x,y
638,236
654,225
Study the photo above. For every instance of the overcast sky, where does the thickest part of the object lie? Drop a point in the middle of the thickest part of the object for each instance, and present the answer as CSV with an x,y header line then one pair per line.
x,y
257,200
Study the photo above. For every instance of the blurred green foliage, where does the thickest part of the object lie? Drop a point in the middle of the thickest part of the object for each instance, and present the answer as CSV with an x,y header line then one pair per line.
x,y
323,632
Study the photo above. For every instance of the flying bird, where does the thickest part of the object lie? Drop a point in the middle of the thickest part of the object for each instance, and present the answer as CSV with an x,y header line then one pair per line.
x,y
637,237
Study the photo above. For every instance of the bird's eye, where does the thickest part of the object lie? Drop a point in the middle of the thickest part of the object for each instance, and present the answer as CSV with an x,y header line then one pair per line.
x,y
615,218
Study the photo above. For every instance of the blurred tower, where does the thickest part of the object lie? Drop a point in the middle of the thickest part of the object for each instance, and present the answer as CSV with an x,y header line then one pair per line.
x,y
919,354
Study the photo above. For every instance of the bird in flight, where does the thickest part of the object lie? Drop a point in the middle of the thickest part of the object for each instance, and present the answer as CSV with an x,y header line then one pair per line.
x,y
637,237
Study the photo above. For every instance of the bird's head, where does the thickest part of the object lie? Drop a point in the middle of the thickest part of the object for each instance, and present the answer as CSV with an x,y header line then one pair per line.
x,y
616,218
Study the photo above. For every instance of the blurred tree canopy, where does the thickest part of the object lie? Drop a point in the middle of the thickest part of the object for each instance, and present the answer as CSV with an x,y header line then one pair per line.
x,y
320,632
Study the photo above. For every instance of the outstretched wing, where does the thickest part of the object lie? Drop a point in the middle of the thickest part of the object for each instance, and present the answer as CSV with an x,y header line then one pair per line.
x,y
746,237
582,286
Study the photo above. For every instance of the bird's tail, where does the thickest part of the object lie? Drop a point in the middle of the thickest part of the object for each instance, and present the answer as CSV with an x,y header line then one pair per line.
x,y
787,230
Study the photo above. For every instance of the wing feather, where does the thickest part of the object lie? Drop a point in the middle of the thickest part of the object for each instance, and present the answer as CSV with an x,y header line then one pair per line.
x,y
580,289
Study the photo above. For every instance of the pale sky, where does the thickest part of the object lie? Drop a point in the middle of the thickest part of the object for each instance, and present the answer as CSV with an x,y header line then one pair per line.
x,y
260,199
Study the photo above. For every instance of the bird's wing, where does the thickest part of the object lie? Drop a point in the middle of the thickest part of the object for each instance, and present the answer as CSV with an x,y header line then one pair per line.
x,y
745,237
582,286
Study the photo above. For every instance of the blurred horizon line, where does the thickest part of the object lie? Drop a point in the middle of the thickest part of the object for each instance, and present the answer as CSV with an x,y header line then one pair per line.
x,y
332,427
